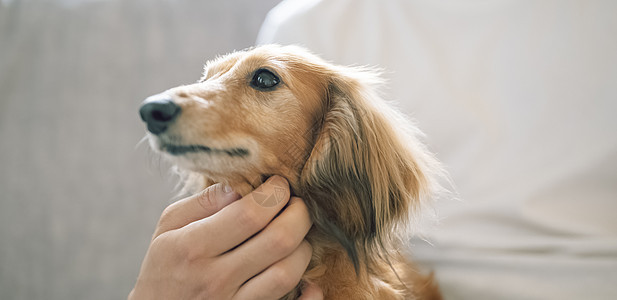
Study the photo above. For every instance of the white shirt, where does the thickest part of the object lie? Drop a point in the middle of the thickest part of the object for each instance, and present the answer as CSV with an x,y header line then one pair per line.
x,y
518,99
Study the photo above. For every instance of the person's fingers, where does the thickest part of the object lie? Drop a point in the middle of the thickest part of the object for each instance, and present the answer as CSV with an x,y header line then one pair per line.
x,y
240,220
281,237
311,291
278,279
195,207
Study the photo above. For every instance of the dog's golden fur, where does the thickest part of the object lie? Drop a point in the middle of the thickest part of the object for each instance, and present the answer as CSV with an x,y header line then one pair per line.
x,y
353,159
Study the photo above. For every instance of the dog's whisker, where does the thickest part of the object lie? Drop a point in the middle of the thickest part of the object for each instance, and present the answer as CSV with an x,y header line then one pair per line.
x,y
141,141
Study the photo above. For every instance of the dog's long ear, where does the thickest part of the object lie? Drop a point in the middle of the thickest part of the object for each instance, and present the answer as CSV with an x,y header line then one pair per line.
x,y
367,170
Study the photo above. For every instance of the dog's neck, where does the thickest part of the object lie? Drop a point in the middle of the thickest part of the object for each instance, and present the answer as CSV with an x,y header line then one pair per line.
x,y
245,183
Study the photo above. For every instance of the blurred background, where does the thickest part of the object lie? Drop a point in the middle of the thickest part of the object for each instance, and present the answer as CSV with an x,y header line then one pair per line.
x,y
78,198
517,99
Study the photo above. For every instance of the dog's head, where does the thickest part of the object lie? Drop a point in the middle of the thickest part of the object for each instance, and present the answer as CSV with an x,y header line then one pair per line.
x,y
252,113
281,110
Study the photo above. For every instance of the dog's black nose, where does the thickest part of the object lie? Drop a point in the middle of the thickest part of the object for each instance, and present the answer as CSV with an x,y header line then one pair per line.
x,y
159,111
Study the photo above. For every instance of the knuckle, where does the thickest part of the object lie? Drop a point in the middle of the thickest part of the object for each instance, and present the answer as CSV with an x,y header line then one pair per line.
x,y
159,242
283,241
176,246
163,244
167,216
188,250
190,254
284,278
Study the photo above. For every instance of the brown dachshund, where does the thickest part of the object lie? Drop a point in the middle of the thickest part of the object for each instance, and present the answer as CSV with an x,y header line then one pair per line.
x,y
354,160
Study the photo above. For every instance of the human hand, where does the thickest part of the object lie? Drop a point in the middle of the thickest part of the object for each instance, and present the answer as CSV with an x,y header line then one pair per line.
x,y
214,246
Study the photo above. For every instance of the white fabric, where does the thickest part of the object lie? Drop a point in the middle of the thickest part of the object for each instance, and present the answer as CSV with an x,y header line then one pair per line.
x,y
518,99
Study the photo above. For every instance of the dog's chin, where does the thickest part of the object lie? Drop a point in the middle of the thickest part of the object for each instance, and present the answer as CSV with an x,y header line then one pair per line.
x,y
201,158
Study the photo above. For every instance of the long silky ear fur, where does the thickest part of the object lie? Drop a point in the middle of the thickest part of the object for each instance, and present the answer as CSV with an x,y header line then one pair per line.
x,y
367,171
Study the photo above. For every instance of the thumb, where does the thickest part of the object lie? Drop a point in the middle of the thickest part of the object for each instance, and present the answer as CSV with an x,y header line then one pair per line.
x,y
195,207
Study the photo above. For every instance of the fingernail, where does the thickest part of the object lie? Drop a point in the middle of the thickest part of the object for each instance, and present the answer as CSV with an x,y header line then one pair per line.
x,y
272,192
227,189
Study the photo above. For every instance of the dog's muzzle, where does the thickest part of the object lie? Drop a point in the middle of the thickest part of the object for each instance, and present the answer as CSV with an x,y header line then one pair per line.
x,y
159,111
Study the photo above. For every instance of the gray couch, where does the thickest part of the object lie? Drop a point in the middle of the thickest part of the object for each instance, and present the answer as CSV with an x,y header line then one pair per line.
x,y
78,199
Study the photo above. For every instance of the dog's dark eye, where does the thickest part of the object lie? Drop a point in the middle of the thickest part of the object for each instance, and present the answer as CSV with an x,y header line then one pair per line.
x,y
264,80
